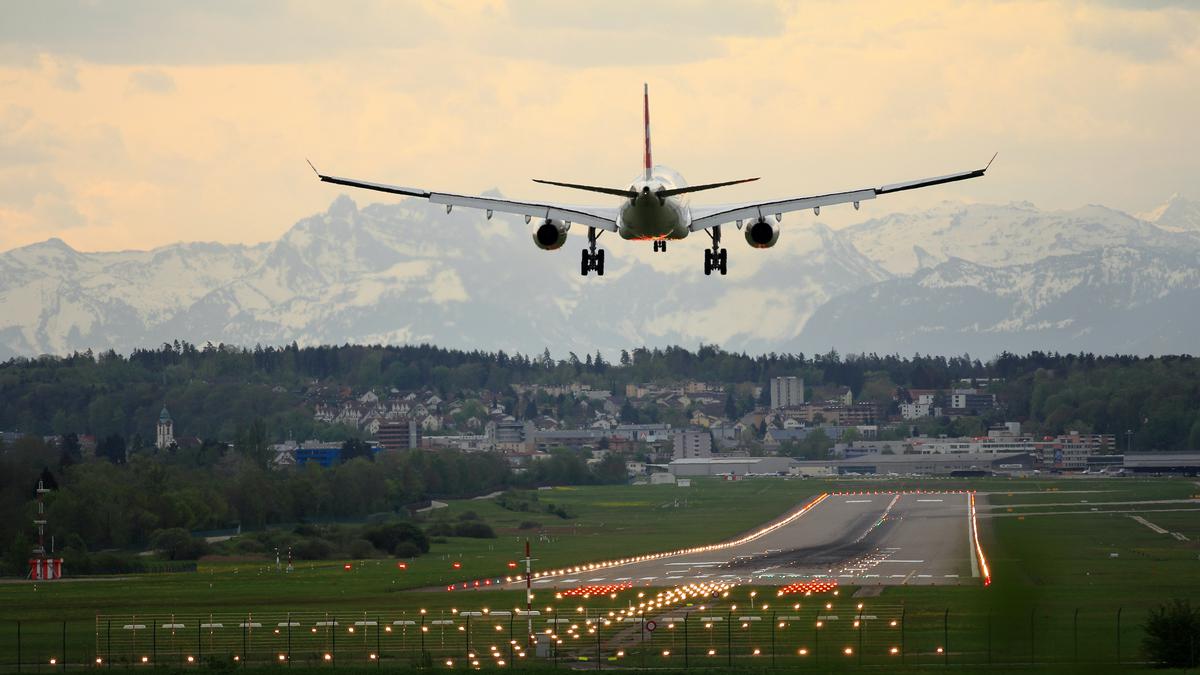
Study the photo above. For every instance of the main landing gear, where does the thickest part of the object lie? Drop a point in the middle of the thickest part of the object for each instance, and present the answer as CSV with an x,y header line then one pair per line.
x,y
660,245
716,258
592,259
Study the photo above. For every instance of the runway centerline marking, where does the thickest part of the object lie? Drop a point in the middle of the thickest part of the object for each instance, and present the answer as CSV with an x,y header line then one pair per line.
x,y
858,501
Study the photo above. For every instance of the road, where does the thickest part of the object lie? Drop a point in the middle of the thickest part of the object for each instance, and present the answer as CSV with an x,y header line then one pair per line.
x,y
859,539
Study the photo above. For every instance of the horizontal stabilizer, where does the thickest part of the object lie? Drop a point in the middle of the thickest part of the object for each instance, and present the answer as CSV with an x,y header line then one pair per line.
x,y
697,188
591,188
631,194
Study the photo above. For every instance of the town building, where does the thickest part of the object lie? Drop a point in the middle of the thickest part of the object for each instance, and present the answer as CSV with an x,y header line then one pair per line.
x,y
399,435
692,443
787,392
1072,450
971,401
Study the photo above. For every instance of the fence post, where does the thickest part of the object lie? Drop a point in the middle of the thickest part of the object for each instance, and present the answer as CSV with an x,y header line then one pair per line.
x,y
599,661
642,640
729,637
108,648
1119,635
18,645
1033,635
64,646
903,611
199,639
154,642
862,626
379,644
773,627
245,627
1075,634
333,644
685,641
817,639
510,638
289,640
989,638
468,636
946,637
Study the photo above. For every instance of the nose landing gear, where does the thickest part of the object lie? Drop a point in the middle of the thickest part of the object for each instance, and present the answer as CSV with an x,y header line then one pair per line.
x,y
716,258
660,245
592,258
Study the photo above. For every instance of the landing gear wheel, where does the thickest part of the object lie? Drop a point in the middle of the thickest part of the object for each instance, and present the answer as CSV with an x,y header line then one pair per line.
x,y
660,246
592,259
716,258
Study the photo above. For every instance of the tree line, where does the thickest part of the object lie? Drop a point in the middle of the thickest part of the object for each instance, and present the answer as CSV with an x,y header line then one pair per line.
x,y
99,505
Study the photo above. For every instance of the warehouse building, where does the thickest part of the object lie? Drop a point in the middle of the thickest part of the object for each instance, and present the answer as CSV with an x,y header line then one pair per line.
x,y
725,466
930,465
1185,463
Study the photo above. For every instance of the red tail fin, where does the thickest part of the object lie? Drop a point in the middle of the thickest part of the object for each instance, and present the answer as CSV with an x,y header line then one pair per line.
x,y
646,109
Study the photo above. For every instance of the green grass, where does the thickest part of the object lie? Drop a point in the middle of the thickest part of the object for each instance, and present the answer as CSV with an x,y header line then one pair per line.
x,y
1043,566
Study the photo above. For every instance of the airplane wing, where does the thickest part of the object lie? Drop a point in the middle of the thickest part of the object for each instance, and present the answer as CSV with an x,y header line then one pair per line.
x,y
704,218
600,218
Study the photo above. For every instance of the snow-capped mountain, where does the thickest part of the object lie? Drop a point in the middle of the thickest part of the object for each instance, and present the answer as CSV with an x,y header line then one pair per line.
x,y
956,278
1001,234
1107,300
1178,214
409,272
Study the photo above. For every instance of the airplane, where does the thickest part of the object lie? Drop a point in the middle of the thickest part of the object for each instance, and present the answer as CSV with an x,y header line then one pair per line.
x,y
654,207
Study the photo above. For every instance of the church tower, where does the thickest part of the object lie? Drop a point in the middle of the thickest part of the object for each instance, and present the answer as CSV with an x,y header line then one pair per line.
x,y
165,436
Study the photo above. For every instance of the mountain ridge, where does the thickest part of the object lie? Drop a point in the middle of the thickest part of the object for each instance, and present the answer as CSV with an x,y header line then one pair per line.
x,y
408,272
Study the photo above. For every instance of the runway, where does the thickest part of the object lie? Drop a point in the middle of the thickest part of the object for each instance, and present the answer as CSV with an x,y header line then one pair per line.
x,y
857,539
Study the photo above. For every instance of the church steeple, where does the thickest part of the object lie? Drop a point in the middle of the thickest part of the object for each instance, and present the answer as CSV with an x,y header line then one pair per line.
x,y
165,433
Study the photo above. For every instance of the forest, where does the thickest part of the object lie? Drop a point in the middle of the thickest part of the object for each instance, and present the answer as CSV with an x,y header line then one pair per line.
x,y
220,392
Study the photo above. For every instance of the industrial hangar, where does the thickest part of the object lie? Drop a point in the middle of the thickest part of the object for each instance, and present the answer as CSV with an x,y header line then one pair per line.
x,y
932,465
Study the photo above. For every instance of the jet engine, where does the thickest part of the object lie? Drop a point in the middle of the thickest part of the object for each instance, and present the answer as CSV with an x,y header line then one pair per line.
x,y
551,235
761,234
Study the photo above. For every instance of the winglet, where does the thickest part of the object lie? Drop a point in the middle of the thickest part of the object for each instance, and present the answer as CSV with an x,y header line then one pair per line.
x,y
989,164
310,165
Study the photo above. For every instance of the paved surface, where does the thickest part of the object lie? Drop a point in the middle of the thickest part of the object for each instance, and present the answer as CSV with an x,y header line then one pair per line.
x,y
863,539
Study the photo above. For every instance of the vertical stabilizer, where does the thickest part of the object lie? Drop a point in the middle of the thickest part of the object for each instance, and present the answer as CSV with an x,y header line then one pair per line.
x,y
646,110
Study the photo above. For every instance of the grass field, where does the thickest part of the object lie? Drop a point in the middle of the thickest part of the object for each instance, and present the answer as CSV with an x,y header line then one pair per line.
x,y
1044,567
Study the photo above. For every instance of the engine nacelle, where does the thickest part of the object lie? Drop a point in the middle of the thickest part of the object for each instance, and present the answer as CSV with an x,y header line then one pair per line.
x,y
551,235
761,234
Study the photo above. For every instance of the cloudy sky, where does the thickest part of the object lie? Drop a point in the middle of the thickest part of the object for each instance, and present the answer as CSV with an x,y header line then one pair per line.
x,y
135,124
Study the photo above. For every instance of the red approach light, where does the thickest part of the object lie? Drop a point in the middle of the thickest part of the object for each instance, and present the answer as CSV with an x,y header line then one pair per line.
x,y
512,565
598,589
812,586
347,567
402,565
456,565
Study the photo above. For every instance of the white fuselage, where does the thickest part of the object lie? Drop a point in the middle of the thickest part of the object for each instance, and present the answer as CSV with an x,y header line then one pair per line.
x,y
648,216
